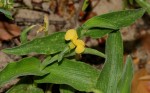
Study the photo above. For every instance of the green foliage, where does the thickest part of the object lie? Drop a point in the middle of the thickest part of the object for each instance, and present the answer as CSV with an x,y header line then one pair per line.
x,y
79,75
26,66
124,84
94,52
5,6
85,5
6,13
46,45
114,20
23,37
25,86
134,3
97,32
144,4
61,67
113,66
66,89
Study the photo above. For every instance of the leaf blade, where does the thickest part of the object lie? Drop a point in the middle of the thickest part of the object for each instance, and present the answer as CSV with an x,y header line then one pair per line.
x,y
97,32
23,37
46,45
124,85
6,13
94,52
79,75
25,85
114,20
144,4
85,5
111,72
66,89
26,66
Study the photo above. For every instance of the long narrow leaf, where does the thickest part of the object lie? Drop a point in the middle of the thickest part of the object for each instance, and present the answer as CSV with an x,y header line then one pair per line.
x,y
124,85
112,70
94,52
46,45
23,37
144,4
114,20
85,5
97,32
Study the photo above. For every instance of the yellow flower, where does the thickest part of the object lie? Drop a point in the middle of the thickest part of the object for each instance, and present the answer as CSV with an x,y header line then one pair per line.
x,y
78,42
75,42
71,34
79,49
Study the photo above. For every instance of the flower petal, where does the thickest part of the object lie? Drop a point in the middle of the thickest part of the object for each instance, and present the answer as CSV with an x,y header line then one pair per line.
x,y
78,42
79,49
71,34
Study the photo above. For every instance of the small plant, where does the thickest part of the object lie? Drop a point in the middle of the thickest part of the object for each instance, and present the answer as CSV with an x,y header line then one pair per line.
x,y
5,6
60,66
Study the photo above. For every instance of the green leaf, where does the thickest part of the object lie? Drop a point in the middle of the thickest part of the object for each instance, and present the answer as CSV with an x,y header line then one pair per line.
x,y
48,58
97,32
79,75
61,55
66,89
46,45
25,85
23,37
113,67
25,88
26,66
114,20
46,61
97,91
6,4
124,85
94,52
49,61
85,5
144,4
6,13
